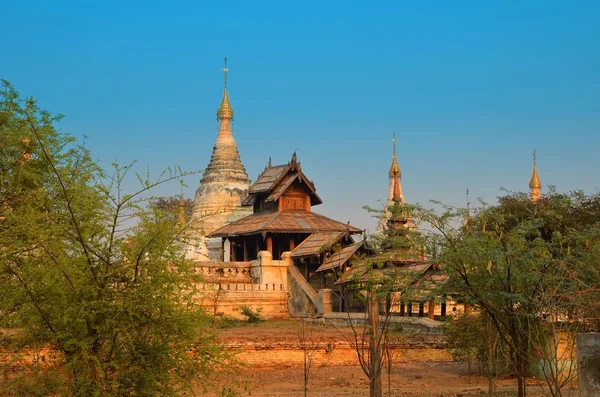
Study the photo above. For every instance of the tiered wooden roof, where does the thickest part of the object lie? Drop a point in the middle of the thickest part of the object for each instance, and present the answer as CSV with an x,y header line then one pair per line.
x,y
408,270
340,257
284,222
282,196
275,180
317,243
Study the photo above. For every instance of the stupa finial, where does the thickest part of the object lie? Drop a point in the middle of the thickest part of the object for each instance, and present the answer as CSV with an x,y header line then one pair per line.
x,y
224,69
225,110
535,184
468,220
395,169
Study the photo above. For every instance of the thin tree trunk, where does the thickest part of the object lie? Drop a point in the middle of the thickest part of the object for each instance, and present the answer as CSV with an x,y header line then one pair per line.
x,y
305,375
388,363
375,347
490,360
517,358
521,374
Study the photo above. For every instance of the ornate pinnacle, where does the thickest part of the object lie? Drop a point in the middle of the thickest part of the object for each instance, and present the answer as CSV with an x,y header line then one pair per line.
x,y
534,182
181,209
468,220
225,110
224,69
395,169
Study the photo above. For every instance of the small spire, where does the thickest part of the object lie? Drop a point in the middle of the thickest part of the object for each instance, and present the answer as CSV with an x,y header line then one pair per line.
x,y
181,210
468,220
535,184
224,69
402,219
225,110
294,159
395,169
269,161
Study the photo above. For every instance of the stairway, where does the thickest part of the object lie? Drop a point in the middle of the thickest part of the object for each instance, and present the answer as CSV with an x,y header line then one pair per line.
x,y
303,297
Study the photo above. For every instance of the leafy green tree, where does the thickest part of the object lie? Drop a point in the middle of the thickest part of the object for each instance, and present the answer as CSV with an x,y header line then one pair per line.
x,y
91,272
524,263
464,334
471,338
375,281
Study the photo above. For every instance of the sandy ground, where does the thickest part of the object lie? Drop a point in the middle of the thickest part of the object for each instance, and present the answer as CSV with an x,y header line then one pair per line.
x,y
443,379
412,377
281,330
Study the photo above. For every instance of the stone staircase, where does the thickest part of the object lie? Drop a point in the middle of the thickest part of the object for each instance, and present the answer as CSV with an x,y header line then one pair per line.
x,y
303,297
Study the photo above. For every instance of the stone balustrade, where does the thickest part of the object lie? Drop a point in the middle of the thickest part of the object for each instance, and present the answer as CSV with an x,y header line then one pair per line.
x,y
224,272
260,284
226,286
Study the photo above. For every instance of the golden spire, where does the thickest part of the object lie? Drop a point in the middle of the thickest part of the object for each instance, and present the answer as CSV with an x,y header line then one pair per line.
x,y
394,169
534,183
468,220
225,110
402,218
181,210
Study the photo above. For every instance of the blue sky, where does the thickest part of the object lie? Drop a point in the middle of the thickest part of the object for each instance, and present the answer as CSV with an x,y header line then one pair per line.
x,y
469,87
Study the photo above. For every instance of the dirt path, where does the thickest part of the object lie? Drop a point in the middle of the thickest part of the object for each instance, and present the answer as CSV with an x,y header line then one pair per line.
x,y
274,368
408,379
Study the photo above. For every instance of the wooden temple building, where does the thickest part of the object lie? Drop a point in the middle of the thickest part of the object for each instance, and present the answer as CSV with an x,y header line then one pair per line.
x,y
282,220
320,249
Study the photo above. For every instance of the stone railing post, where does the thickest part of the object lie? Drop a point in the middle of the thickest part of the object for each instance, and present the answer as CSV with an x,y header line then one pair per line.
x,y
269,273
325,301
264,258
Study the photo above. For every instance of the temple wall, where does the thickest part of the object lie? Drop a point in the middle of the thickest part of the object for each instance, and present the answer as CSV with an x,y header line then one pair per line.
x,y
263,283
289,354
228,300
588,360
262,353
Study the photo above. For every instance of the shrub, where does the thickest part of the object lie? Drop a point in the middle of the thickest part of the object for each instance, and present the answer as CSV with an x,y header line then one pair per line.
x,y
252,315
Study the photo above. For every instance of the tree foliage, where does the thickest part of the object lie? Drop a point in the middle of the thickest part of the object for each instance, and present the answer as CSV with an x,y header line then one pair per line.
x,y
525,265
375,282
90,272
471,340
